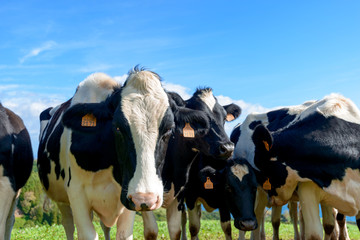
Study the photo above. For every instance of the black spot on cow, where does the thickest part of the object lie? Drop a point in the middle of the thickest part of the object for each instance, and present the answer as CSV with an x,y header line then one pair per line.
x,y
279,118
235,134
253,124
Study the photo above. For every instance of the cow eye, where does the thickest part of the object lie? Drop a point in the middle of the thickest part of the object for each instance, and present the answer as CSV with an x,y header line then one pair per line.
x,y
167,134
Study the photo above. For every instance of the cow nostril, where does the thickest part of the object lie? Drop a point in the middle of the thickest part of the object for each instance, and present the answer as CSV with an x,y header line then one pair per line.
x,y
226,148
144,207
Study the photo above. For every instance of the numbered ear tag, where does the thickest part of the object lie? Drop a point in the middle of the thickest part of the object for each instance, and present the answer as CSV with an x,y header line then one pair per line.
x,y
188,131
266,145
89,120
267,185
229,117
208,184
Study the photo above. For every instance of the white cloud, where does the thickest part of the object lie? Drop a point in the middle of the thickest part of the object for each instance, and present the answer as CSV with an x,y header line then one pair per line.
x,y
121,79
183,91
28,105
36,51
246,108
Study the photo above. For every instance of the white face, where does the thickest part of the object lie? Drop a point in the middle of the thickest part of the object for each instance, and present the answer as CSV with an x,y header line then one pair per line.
x,y
208,98
144,103
240,171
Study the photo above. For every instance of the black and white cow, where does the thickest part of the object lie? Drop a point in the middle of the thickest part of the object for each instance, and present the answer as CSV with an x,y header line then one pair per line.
x,y
229,192
182,169
317,153
103,150
16,160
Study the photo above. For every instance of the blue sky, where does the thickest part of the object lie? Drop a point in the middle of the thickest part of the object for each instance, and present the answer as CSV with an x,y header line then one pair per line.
x,y
259,54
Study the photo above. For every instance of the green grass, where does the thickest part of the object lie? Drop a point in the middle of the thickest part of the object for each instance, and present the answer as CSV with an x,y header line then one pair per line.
x,y
210,229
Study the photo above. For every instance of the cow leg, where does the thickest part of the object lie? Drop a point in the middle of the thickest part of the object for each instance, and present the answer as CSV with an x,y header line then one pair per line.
x,y
194,221
275,221
241,235
125,224
11,217
150,226
183,225
262,227
82,214
260,204
106,230
302,224
67,220
358,220
7,197
309,200
225,223
173,216
328,221
293,211
343,232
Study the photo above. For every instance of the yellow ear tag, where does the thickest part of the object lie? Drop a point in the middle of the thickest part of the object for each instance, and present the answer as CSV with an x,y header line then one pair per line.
x,y
266,145
188,131
89,120
229,117
267,185
208,184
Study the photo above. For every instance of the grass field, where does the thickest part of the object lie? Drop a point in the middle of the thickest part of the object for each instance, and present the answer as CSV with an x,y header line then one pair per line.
x,y
210,229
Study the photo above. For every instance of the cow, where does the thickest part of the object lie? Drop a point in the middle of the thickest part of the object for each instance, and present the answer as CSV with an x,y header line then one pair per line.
x,y
102,150
181,168
274,120
316,153
229,192
16,161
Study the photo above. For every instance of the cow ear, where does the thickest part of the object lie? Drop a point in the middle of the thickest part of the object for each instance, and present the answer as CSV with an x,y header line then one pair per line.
x,y
233,111
176,98
87,117
262,138
191,123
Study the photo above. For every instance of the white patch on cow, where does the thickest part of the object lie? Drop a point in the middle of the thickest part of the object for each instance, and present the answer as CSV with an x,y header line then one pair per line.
x,y
95,88
208,98
334,105
144,103
344,194
245,147
240,171
169,196
285,192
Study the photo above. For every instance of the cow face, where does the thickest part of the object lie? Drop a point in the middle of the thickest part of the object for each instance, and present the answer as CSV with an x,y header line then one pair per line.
x,y
213,141
237,184
240,192
136,123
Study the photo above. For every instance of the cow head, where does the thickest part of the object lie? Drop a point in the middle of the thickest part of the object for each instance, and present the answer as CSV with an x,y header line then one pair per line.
x,y
238,183
276,178
136,123
212,140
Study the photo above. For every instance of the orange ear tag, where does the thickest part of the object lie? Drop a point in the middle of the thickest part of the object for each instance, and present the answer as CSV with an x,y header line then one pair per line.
x,y
229,117
89,120
267,185
266,145
208,184
188,131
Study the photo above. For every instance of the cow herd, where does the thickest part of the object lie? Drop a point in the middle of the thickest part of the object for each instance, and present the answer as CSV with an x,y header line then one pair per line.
x,y
114,150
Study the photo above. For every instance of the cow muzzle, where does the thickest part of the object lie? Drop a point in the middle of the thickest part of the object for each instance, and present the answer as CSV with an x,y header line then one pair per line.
x,y
145,201
226,150
246,225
